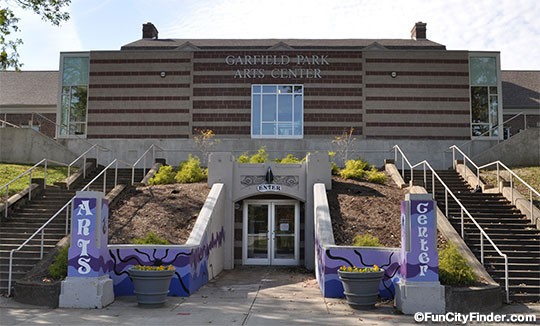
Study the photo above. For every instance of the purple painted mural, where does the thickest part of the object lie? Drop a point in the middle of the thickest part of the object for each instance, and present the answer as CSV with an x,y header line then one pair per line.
x,y
191,264
420,261
87,256
330,258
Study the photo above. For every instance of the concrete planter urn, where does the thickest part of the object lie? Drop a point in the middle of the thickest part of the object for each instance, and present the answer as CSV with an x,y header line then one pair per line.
x,y
361,285
151,284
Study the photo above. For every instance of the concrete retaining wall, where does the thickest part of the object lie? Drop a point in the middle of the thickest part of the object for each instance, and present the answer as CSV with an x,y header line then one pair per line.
x,y
25,145
374,151
522,149
330,257
196,262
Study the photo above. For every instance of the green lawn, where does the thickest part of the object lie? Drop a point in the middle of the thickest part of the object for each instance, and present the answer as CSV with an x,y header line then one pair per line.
x,y
9,172
530,174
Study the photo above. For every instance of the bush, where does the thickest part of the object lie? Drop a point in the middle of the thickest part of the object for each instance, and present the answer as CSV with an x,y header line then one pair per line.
x,y
367,240
190,171
58,269
151,238
260,157
354,169
289,159
333,165
375,176
165,175
453,268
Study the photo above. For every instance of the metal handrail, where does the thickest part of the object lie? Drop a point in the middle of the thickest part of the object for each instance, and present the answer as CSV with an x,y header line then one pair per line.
x,y
94,147
29,172
41,229
4,122
104,172
144,155
463,212
499,164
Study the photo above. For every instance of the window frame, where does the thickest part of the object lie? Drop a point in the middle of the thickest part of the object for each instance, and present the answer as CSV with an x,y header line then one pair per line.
x,y
276,122
490,124
61,85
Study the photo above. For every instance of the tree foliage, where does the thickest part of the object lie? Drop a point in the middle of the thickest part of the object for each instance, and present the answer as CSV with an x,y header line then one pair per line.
x,y
49,10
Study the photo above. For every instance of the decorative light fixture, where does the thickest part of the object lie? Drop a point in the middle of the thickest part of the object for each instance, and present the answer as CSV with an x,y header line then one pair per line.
x,y
163,74
393,74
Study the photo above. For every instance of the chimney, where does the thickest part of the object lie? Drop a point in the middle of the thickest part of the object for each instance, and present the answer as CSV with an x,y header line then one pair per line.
x,y
149,31
418,32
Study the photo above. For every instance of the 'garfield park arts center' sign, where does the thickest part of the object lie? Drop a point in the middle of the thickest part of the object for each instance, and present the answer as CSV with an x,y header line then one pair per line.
x,y
306,65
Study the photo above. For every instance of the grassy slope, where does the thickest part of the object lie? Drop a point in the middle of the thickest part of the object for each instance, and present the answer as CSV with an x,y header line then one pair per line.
x,y
10,171
531,175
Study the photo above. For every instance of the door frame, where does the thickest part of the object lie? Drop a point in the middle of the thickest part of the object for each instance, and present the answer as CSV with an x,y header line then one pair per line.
x,y
272,203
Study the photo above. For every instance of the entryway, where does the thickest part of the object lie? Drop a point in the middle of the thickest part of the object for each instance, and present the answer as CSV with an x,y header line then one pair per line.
x,y
271,232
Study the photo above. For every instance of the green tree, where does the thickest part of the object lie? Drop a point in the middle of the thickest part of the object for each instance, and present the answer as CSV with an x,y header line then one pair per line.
x,y
49,10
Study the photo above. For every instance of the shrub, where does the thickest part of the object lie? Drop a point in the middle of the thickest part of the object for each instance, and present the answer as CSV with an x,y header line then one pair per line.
x,y
354,169
453,268
190,171
289,159
58,269
375,176
367,240
260,157
165,175
151,238
333,165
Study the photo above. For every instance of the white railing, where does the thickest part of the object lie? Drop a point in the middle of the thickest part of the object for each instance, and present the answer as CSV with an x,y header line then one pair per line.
x,y
65,207
4,123
151,149
84,155
463,211
498,165
29,173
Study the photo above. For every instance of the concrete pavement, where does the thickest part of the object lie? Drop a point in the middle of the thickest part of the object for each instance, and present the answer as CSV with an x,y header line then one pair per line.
x,y
243,296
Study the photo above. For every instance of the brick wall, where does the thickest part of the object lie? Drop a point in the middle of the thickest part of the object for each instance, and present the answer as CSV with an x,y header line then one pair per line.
x,y
43,124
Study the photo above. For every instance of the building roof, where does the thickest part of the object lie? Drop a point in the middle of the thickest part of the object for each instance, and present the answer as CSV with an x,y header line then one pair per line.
x,y
521,88
268,44
28,88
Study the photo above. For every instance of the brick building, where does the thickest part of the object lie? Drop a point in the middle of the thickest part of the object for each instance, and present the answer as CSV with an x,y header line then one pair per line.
x,y
282,93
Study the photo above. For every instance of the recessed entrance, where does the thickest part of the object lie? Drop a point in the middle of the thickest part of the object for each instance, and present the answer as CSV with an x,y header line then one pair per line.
x,y
271,232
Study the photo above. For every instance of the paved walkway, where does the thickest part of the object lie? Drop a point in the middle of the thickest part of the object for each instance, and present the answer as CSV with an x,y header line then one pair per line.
x,y
244,296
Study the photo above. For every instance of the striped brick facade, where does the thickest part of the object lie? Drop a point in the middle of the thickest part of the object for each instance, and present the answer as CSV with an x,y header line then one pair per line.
x,y
427,99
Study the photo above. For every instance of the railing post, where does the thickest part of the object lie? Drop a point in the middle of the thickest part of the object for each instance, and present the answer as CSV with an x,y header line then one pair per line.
x,y
462,226
531,204
477,177
403,166
395,154
446,201
6,203
506,279
30,187
132,175
41,246
84,167
433,184
116,174
498,182
105,181
45,176
67,217
482,246
453,158
10,271
425,177
154,154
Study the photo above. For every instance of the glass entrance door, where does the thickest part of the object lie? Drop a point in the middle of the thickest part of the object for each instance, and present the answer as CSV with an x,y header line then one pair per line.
x,y
271,232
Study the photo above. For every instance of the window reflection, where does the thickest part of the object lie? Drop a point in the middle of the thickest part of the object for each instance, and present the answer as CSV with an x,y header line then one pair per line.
x,y
277,111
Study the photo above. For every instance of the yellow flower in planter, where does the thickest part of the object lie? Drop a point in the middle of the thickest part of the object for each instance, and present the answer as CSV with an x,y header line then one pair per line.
x,y
354,269
154,268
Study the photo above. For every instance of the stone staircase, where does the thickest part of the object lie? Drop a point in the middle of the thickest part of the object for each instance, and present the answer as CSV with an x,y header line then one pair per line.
x,y
24,220
510,230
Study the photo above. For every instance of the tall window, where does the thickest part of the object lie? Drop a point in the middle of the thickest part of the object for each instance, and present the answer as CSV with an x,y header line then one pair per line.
x,y
277,111
74,95
484,96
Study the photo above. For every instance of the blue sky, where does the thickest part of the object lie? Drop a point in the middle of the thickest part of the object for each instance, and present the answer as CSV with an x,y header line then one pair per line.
x,y
509,26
